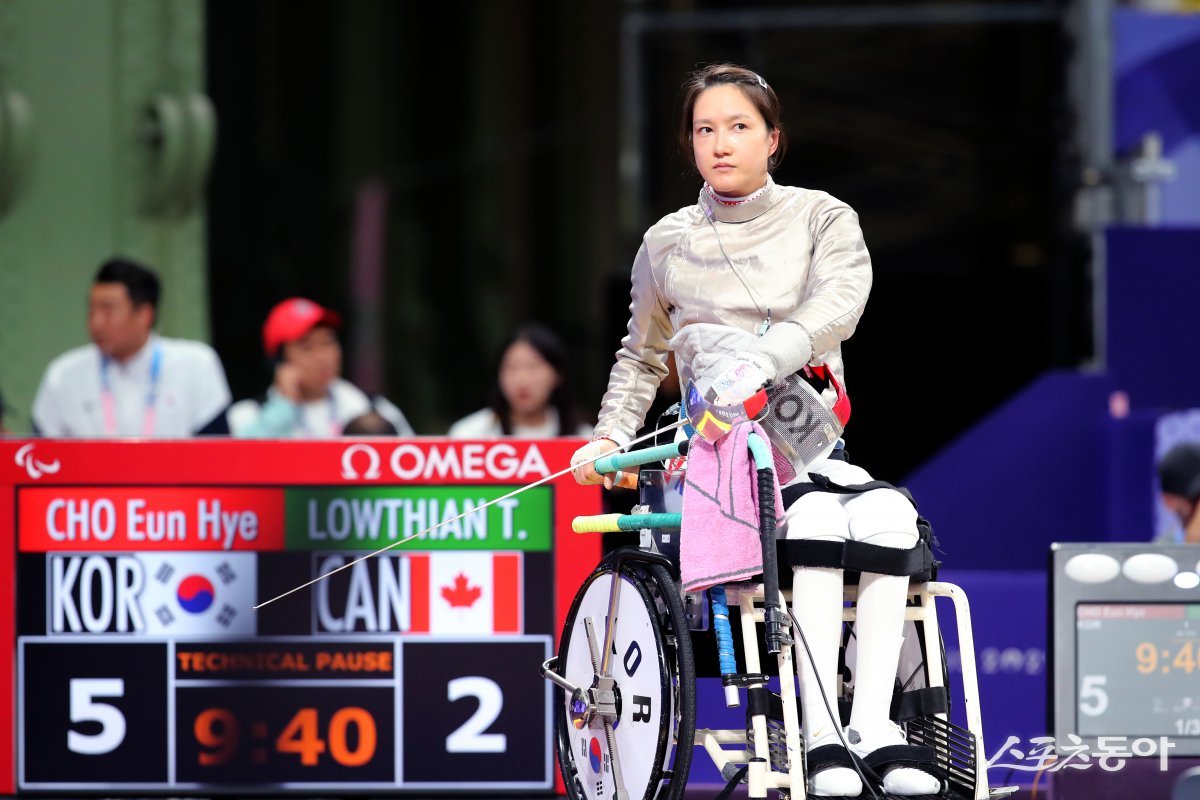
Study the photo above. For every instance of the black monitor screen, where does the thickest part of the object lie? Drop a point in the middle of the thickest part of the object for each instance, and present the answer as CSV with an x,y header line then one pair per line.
x,y
1138,669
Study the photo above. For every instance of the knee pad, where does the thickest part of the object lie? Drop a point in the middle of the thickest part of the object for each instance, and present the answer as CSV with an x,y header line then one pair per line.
x,y
883,517
817,515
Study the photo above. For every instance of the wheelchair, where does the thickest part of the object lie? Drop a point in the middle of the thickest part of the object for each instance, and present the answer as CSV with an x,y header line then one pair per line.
x,y
632,646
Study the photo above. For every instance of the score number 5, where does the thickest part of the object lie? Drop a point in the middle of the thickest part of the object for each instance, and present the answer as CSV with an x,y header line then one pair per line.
x,y
85,708
1093,699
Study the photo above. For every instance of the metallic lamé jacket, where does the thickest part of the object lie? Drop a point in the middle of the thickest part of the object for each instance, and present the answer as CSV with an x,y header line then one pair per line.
x,y
800,254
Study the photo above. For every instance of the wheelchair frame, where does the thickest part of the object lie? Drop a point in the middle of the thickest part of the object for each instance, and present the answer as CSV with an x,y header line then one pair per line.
x,y
771,751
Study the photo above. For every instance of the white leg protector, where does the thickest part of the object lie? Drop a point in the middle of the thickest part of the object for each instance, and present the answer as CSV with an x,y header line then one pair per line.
x,y
885,518
817,605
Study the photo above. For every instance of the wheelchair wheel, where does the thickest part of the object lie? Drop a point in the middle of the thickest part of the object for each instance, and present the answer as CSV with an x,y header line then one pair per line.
x,y
653,728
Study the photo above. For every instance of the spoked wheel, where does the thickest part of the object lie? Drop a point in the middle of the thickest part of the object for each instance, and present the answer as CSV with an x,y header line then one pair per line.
x,y
633,722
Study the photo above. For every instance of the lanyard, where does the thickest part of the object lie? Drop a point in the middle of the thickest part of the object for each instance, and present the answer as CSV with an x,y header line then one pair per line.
x,y
109,401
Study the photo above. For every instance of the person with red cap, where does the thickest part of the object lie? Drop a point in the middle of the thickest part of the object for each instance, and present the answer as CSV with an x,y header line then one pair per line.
x,y
308,399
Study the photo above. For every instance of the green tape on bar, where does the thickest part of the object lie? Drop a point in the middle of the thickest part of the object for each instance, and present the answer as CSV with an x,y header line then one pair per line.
x,y
635,522
639,457
760,451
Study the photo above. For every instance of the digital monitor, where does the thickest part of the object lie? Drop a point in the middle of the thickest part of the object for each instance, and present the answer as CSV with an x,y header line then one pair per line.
x,y
1125,649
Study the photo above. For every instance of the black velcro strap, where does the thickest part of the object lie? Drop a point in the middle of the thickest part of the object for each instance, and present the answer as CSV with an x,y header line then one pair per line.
x,y
765,702
828,756
861,556
809,553
916,756
921,703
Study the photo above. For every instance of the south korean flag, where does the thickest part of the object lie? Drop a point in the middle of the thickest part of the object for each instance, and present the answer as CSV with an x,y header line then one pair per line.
x,y
189,594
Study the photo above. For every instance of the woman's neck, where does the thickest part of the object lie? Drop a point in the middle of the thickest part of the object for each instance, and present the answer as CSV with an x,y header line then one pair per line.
x,y
734,201
531,419
722,208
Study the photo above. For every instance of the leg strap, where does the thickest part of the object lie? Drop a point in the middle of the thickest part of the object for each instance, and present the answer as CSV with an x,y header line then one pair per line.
x,y
920,703
916,561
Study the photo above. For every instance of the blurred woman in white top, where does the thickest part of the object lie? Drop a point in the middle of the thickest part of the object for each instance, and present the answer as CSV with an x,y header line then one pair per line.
x,y
531,397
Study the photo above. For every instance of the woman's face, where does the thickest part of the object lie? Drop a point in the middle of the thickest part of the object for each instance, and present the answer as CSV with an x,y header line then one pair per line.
x,y
526,379
730,141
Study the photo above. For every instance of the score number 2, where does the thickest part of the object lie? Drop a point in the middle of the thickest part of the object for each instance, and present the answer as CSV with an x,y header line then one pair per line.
x,y
470,737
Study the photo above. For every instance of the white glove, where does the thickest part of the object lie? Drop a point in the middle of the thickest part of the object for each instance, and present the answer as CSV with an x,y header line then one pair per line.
x,y
586,474
744,375
711,351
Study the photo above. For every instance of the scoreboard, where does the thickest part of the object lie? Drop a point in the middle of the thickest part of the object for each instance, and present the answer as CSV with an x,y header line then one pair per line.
x,y
137,663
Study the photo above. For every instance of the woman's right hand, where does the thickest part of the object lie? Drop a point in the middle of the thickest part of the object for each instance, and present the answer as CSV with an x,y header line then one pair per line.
x,y
586,474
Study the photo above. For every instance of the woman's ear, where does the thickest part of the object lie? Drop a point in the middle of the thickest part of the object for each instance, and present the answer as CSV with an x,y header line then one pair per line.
x,y
774,137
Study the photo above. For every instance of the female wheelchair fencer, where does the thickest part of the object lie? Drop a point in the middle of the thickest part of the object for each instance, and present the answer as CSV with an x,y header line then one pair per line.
x,y
837,519
754,284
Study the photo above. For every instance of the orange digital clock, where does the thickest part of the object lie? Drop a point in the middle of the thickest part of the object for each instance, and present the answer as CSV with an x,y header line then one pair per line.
x,y
350,738
1183,656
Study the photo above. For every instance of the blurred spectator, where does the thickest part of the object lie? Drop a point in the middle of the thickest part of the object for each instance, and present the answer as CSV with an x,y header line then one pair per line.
x,y
531,397
309,399
1179,475
130,381
371,423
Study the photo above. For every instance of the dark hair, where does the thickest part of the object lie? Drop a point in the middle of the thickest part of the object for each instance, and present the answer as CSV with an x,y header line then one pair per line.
x,y
1179,471
369,423
549,347
751,85
139,280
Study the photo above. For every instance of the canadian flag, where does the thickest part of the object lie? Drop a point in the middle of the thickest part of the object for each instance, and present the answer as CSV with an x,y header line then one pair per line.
x,y
466,593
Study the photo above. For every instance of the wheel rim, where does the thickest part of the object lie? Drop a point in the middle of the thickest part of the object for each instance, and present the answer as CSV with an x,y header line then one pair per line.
x,y
645,684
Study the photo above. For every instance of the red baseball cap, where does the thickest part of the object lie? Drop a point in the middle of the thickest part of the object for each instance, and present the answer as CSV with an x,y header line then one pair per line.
x,y
293,318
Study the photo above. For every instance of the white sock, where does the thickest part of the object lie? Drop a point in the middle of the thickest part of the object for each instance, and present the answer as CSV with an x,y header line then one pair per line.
x,y
880,632
817,604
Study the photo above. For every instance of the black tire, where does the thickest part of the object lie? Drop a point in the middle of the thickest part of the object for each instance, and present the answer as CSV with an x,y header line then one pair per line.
x,y
667,774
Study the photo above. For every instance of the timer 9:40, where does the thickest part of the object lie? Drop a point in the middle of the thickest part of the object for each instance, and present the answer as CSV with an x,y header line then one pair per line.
x,y
350,737
285,734
1152,659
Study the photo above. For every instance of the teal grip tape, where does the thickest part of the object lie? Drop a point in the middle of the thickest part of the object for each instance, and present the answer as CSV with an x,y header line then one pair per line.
x,y
639,457
761,452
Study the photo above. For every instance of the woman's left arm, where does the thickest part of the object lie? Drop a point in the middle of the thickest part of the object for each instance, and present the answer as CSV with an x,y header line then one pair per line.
x,y
839,281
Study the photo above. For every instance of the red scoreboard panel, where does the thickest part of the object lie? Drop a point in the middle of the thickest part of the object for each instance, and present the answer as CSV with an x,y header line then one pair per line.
x,y
137,664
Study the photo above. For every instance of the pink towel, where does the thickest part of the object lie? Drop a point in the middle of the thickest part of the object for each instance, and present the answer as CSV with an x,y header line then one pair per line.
x,y
720,540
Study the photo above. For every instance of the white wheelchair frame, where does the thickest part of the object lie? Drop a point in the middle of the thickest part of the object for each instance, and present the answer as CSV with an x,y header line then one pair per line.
x,y
921,610
594,702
